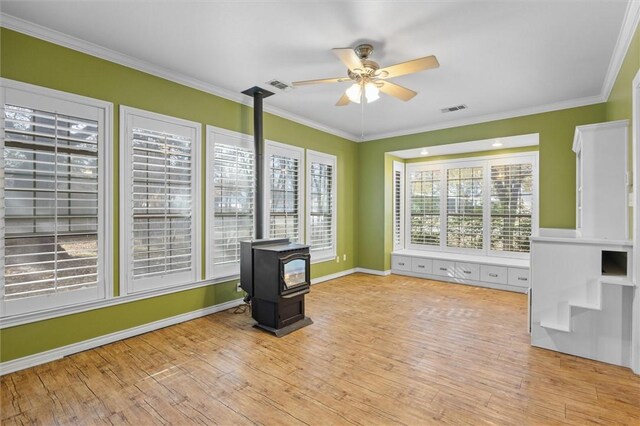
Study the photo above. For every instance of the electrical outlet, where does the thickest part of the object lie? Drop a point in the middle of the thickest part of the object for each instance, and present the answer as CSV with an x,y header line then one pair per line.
x,y
337,259
344,257
238,288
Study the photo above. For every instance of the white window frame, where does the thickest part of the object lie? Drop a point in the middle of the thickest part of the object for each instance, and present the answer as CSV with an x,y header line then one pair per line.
x,y
520,159
218,135
28,95
398,167
444,206
323,158
486,162
277,148
158,122
422,167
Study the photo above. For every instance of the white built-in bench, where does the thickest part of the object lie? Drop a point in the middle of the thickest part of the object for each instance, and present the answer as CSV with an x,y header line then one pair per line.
x,y
485,271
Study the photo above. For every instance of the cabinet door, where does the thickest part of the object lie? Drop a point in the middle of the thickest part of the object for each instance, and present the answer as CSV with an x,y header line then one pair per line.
x,y
494,274
467,271
519,277
445,268
401,263
421,266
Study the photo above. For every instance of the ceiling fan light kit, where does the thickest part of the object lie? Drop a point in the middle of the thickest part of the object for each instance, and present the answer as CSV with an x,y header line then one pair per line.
x,y
370,93
369,79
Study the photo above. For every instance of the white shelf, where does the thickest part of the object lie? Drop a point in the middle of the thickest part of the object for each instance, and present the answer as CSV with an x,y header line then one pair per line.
x,y
555,326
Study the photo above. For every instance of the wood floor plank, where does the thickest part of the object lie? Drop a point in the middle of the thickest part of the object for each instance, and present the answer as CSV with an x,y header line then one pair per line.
x,y
382,350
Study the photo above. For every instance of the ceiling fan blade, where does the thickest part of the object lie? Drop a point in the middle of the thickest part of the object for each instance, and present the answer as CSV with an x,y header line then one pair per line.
x,y
409,67
397,91
323,80
344,100
348,57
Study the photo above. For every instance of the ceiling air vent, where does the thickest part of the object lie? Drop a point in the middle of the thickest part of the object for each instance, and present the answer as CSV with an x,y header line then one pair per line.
x,y
279,85
454,108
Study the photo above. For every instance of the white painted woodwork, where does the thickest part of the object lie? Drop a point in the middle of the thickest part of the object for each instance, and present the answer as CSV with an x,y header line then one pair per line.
x,y
574,307
519,277
460,268
443,268
421,266
601,180
402,263
494,274
467,271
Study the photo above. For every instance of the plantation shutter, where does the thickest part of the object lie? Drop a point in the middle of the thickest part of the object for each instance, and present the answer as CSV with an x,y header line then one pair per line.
x,y
397,192
465,207
425,207
232,201
160,202
52,201
285,168
398,205
321,190
511,207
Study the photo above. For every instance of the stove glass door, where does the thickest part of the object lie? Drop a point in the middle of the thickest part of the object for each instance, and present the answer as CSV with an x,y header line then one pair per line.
x,y
295,273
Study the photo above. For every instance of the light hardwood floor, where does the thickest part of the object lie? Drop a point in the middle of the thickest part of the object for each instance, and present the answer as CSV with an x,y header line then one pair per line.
x,y
382,350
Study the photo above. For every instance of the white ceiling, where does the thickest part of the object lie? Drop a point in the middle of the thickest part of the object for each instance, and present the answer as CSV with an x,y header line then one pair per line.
x,y
497,57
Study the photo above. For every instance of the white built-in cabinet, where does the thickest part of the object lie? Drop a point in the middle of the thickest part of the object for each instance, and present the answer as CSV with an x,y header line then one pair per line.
x,y
581,284
601,180
494,272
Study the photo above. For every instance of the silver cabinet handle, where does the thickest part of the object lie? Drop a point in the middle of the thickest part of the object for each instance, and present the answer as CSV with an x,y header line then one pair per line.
x,y
493,275
420,266
401,263
443,269
523,279
467,272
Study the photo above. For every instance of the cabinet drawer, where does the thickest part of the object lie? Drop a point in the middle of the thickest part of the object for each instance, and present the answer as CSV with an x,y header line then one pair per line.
x,y
519,277
467,271
421,266
443,267
402,263
493,274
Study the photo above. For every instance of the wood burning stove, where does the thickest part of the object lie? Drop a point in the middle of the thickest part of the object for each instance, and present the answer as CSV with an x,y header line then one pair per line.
x,y
275,275
273,272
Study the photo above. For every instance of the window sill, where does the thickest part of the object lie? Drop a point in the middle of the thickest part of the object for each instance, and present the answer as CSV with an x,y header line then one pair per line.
x,y
27,318
322,259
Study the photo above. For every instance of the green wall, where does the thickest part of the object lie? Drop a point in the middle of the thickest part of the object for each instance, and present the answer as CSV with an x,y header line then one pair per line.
x,y
34,61
364,176
619,104
556,173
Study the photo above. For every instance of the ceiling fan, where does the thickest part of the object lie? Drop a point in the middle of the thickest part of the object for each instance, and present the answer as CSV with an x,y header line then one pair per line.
x,y
369,79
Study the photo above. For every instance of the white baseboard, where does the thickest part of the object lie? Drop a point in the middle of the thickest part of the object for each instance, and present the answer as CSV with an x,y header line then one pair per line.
x,y
57,353
374,271
332,276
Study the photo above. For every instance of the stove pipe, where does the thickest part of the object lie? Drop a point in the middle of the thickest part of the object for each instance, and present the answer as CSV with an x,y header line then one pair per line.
x,y
258,95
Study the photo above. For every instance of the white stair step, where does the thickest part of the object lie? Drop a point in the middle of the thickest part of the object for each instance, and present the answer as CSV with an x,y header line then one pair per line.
x,y
623,281
555,326
586,305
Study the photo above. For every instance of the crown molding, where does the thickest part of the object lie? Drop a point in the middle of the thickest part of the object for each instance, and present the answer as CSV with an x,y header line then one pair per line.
x,y
629,25
574,103
56,37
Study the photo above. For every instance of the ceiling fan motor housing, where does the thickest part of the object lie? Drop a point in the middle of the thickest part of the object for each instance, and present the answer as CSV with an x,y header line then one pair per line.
x,y
364,51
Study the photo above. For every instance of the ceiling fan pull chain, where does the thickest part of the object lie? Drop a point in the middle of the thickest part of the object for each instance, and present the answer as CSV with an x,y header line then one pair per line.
x,y
362,115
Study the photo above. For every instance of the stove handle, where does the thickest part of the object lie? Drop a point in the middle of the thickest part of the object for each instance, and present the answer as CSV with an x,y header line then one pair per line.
x,y
297,293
